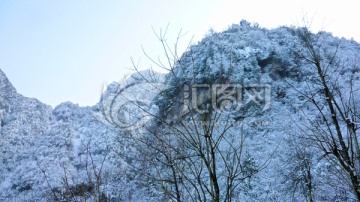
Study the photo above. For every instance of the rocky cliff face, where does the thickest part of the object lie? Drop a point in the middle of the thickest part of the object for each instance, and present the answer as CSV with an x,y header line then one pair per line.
x,y
23,121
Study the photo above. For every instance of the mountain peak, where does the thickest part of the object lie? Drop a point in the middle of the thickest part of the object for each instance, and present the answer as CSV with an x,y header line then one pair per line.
x,y
6,88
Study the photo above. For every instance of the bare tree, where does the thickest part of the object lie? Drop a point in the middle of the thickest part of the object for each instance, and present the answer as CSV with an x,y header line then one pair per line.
x,y
334,131
73,191
194,154
299,169
198,160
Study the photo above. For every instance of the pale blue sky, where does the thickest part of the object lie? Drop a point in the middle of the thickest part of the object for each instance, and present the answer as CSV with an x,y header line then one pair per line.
x,y
66,50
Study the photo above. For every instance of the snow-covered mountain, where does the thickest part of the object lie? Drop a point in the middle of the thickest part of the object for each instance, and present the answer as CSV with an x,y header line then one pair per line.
x,y
73,153
23,121
41,148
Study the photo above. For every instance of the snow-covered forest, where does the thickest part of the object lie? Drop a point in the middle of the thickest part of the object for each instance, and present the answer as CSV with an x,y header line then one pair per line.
x,y
247,114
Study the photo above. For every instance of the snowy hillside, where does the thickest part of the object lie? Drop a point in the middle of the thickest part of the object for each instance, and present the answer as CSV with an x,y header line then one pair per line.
x,y
248,114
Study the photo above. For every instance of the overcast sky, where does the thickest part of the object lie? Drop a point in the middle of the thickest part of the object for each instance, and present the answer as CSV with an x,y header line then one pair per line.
x,y
66,50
